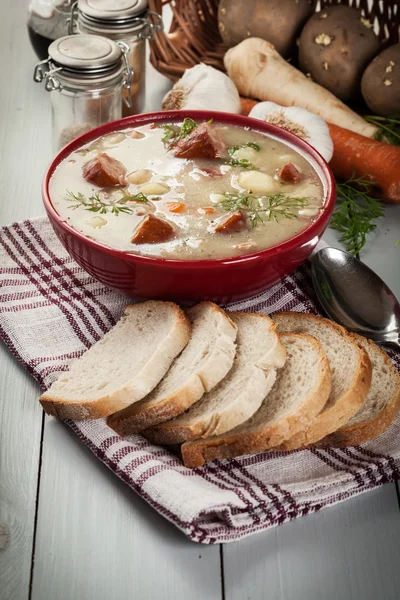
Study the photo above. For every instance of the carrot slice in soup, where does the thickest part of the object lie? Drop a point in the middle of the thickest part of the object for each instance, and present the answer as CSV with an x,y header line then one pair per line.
x,y
175,207
207,210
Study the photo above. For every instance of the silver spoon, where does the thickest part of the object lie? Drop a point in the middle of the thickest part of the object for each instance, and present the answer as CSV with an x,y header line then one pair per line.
x,y
354,296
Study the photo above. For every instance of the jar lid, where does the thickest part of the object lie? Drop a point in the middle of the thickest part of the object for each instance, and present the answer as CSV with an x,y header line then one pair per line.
x,y
112,10
85,52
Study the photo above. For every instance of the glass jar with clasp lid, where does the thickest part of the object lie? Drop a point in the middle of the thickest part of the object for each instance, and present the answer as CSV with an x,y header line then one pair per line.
x,y
128,21
85,75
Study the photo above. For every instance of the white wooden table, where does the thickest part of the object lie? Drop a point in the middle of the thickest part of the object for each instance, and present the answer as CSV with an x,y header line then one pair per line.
x,y
76,531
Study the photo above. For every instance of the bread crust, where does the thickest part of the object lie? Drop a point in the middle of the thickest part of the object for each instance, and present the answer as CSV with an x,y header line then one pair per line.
x,y
172,432
367,429
177,434
333,417
139,416
110,403
232,444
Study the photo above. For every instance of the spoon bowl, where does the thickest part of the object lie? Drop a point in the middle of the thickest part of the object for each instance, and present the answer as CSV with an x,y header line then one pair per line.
x,y
353,295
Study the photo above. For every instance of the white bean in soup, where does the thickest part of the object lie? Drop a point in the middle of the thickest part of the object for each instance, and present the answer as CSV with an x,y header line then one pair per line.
x,y
187,191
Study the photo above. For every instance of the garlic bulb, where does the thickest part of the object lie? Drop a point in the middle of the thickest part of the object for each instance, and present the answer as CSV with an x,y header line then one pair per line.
x,y
301,122
203,88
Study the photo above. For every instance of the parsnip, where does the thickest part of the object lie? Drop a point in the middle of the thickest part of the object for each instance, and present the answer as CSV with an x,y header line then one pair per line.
x,y
258,71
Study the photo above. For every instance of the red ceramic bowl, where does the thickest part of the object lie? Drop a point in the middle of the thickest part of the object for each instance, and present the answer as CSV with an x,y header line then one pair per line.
x,y
221,280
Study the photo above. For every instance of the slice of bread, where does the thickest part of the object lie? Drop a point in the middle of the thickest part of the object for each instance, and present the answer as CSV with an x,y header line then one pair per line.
x,y
301,390
380,407
202,365
259,353
122,367
351,375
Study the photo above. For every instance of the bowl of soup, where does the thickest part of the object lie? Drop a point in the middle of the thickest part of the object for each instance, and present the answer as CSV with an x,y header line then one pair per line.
x,y
189,205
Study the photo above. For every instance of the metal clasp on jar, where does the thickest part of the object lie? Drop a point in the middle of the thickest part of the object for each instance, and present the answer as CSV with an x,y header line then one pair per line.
x,y
129,73
72,21
52,83
43,71
149,27
40,70
158,24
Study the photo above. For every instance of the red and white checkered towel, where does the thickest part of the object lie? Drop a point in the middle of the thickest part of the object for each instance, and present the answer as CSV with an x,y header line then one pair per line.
x,y
51,311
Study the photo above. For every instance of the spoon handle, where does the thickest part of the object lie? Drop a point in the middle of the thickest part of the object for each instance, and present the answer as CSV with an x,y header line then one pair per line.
x,y
391,339
394,344
320,246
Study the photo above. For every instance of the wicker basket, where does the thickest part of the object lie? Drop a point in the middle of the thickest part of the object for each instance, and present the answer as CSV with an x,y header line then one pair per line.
x,y
194,37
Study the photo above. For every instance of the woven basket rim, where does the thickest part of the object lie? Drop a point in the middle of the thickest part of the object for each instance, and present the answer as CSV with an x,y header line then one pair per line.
x,y
194,37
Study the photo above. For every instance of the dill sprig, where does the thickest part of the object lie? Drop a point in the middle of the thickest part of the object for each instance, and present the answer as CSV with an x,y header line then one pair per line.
x,y
170,133
234,149
173,132
389,128
264,208
355,213
96,204
187,127
242,162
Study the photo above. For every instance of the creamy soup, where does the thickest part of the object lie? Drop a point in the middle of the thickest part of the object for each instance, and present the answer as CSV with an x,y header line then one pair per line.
x,y
187,191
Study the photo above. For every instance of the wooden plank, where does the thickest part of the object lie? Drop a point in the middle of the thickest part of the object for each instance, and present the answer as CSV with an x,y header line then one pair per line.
x,y
383,244
96,539
25,121
348,551
25,126
381,253
20,426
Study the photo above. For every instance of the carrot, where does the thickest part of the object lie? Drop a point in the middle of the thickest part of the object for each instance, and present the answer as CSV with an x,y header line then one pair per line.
x,y
208,210
259,71
175,207
247,104
355,156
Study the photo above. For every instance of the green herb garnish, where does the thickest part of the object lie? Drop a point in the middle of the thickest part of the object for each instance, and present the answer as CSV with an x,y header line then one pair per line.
x,y
243,162
96,204
389,128
253,145
355,213
170,133
187,127
173,133
139,197
264,208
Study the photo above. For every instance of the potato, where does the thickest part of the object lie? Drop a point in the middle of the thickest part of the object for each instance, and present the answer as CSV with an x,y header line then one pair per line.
x,y
135,135
335,46
257,182
278,21
140,176
380,84
248,154
113,138
154,188
215,198
97,222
